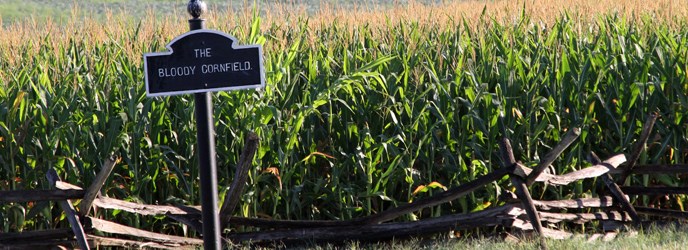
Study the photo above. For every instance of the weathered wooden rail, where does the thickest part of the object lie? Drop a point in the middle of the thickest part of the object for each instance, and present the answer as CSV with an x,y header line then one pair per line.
x,y
519,212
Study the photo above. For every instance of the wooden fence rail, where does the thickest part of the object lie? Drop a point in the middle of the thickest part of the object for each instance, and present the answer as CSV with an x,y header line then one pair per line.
x,y
519,211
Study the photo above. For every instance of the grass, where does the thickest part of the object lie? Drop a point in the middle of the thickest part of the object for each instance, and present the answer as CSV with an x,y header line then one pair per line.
x,y
362,111
17,11
668,238
651,239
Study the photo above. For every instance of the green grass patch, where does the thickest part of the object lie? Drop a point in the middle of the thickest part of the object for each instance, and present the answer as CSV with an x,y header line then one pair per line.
x,y
17,11
670,238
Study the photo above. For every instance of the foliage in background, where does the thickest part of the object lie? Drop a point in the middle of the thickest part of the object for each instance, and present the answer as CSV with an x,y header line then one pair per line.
x,y
357,116
19,11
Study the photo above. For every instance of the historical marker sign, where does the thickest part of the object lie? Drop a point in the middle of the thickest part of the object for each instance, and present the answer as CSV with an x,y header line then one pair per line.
x,y
203,61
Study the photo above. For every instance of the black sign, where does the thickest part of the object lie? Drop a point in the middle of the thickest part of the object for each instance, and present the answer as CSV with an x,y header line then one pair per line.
x,y
203,61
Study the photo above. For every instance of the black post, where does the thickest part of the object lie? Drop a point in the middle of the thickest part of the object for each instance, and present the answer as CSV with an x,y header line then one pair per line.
x,y
206,147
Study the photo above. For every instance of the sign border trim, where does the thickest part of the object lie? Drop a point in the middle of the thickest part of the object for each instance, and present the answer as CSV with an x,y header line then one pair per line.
x,y
171,51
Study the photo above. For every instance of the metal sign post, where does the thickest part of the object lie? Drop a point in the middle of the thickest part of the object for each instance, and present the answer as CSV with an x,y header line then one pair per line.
x,y
198,62
205,133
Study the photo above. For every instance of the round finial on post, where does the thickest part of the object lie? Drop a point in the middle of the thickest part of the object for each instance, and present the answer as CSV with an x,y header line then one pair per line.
x,y
196,8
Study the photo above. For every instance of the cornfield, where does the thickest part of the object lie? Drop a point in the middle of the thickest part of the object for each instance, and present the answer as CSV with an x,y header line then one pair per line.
x,y
363,110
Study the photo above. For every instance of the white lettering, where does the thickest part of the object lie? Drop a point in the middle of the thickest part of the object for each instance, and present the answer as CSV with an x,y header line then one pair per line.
x,y
225,67
177,71
205,52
